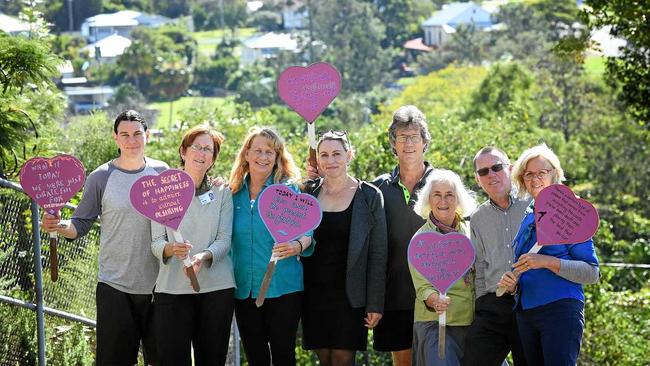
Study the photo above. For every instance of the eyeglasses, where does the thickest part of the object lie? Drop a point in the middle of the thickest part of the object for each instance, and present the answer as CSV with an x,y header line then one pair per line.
x,y
495,168
539,175
199,148
413,138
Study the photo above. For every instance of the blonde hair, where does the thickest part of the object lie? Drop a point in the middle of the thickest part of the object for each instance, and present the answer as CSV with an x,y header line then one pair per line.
x,y
539,151
465,198
285,167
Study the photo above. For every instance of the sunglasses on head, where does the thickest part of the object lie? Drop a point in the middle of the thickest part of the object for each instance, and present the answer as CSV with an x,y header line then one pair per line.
x,y
495,168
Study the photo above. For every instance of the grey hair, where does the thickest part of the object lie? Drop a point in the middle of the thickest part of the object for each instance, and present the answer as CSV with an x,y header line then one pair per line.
x,y
409,116
489,149
465,198
539,151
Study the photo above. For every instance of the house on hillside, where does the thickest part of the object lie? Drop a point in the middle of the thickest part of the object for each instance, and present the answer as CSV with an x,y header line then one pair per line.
x,y
440,27
122,23
83,99
107,49
266,46
13,26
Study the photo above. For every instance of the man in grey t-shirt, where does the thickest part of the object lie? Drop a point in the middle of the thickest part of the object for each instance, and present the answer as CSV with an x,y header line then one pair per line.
x,y
127,268
494,225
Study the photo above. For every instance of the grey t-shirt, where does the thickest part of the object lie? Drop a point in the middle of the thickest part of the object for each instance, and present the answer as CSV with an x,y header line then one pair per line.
x,y
125,259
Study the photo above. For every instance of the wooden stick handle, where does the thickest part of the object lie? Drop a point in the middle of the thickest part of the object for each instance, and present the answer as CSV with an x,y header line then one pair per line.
x,y
266,281
187,263
442,324
54,257
502,289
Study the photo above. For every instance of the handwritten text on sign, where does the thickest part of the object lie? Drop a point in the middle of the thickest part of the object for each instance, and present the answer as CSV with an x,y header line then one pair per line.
x,y
562,218
52,182
309,90
286,214
441,259
163,198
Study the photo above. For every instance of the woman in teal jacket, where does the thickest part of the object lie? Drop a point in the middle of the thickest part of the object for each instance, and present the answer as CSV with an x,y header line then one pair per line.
x,y
269,332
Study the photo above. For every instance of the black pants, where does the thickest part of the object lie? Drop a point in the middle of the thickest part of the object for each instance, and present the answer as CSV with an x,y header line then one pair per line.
x,y
198,321
123,320
269,332
493,333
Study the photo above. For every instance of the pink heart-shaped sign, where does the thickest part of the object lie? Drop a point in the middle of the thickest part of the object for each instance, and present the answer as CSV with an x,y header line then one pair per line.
x,y
163,198
441,259
563,218
309,90
52,182
286,214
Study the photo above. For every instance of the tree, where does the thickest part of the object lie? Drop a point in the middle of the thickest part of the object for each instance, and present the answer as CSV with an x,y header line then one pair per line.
x,y
352,35
402,19
630,72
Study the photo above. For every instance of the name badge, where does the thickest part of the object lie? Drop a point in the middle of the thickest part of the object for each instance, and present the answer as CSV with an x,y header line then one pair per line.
x,y
207,197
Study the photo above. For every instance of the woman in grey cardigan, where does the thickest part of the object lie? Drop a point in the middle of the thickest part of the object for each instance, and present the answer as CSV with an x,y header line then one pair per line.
x,y
185,320
345,277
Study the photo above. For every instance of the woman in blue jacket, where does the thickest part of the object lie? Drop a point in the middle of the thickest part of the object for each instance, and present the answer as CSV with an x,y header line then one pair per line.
x,y
268,333
550,299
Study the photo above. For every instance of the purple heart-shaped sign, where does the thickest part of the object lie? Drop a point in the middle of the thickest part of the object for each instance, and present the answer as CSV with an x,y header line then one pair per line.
x,y
286,214
563,218
52,182
309,90
441,259
163,198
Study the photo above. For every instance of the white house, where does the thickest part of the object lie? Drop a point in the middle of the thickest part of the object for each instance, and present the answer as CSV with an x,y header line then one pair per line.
x,y
13,26
82,99
123,22
107,49
266,46
440,27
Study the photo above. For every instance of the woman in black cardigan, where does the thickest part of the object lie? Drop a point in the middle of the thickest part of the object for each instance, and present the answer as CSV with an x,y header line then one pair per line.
x,y
345,277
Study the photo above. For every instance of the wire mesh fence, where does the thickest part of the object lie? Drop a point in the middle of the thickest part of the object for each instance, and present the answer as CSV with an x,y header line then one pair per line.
x,y
70,335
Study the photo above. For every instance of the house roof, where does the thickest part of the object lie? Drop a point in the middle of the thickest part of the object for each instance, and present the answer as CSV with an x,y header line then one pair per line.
x,y
272,40
111,46
459,13
12,25
125,18
86,90
417,45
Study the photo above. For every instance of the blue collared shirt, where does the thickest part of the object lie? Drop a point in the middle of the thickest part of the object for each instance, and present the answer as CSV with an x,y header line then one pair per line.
x,y
541,286
251,250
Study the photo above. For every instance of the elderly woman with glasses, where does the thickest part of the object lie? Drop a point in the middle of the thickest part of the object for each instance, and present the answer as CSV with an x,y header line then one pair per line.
x,y
268,332
444,203
186,320
548,285
345,278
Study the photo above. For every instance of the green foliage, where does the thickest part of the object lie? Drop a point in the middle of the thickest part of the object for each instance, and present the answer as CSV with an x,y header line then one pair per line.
x,y
352,34
630,72
89,138
402,19
209,14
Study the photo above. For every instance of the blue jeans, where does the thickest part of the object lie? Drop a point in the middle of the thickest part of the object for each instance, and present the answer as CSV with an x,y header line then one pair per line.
x,y
551,333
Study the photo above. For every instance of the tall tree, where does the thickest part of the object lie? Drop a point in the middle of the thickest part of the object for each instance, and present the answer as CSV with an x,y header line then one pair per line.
x,y
402,19
352,35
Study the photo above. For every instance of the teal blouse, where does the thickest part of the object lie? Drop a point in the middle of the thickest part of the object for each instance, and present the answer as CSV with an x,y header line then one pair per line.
x,y
251,250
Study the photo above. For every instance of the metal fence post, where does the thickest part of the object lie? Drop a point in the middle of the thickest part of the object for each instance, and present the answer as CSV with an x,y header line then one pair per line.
x,y
38,272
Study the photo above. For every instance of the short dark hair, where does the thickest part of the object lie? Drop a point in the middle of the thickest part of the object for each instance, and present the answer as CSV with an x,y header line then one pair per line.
x,y
129,115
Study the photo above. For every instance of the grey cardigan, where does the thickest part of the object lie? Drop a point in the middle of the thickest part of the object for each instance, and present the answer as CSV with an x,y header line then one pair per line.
x,y
365,282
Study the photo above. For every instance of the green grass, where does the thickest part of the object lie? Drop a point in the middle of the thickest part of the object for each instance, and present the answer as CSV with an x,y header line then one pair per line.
x,y
595,66
208,40
181,105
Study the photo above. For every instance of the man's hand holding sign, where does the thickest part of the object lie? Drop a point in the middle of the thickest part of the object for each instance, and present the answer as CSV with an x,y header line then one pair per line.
x,y
165,199
287,216
442,260
560,218
52,183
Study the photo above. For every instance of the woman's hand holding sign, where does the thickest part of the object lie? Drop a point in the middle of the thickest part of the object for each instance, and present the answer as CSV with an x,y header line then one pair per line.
x,y
438,304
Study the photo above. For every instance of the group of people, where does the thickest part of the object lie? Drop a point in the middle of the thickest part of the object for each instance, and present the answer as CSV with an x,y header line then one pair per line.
x,y
349,275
